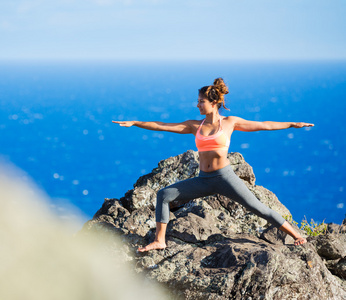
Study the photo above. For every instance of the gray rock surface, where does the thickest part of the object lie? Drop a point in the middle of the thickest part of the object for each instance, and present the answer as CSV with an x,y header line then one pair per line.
x,y
217,249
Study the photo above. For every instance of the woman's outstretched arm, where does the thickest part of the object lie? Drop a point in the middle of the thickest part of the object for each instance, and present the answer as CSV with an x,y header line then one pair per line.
x,y
183,127
245,125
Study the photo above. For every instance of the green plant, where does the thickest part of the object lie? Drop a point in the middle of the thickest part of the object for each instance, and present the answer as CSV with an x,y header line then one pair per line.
x,y
312,229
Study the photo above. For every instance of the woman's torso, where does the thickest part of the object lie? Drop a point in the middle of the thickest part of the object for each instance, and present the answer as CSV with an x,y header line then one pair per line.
x,y
213,159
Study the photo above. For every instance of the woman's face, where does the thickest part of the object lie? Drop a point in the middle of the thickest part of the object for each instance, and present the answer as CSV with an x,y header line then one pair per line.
x,y
204,105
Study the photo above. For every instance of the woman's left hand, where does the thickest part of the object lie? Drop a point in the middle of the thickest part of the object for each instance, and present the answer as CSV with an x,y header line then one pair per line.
x,y
302,124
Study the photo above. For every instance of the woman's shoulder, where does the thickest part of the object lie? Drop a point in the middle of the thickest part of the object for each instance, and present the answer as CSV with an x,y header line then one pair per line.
x,y
193,125
194,122
230,119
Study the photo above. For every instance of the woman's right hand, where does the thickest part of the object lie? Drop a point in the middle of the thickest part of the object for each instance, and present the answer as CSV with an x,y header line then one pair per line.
x,y
124,123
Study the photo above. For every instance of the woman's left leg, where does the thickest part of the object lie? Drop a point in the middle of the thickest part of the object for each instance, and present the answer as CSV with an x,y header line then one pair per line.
x,y
231,186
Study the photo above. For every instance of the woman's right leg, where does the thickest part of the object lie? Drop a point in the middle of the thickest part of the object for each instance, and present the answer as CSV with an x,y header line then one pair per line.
x,y
182,192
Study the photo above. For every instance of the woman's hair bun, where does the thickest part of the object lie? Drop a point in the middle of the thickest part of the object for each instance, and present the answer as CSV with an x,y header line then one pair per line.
x,y
220,85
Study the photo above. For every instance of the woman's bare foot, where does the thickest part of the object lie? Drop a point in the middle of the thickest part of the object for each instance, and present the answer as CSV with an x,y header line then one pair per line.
x,y
155,245
300,241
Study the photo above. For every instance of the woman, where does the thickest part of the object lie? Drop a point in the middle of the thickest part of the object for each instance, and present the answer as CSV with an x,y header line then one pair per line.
x,y
212,136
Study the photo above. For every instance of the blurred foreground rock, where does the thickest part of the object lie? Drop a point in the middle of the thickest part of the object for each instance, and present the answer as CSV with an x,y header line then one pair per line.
x,y
217,249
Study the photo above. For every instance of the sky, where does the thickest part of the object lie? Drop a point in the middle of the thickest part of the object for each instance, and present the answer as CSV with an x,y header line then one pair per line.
x,y
173,30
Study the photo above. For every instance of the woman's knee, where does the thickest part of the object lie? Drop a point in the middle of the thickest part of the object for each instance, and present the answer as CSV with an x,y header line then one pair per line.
x,y
167,195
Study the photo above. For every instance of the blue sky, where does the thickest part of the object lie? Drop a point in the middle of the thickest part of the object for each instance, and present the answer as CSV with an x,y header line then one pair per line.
x,y
162,29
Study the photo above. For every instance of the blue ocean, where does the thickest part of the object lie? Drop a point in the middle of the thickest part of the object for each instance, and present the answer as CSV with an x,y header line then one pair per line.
x,y
56,125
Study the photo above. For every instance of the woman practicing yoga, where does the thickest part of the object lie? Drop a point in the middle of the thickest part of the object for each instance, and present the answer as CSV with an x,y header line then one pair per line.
x,y
212,136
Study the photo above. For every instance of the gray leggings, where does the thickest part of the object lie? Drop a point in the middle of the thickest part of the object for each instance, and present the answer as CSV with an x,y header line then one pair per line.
x,y
224,182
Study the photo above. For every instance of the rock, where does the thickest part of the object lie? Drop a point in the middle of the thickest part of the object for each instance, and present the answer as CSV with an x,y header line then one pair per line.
x,y
332,227
216,249
332,249
338,267
331,246
242,168
193,228
336,228
275,236
343,226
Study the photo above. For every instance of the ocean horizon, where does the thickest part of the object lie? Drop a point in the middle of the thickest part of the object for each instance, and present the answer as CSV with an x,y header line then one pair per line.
x,y
56,126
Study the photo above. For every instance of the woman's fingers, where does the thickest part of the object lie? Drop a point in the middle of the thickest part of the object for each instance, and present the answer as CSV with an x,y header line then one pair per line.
x,y
124,123
302,124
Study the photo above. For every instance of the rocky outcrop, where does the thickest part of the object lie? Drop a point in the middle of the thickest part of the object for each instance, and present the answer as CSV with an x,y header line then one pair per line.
x,y
216,248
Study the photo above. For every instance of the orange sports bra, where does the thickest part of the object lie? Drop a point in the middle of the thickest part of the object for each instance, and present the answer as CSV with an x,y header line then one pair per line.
x,y
217,141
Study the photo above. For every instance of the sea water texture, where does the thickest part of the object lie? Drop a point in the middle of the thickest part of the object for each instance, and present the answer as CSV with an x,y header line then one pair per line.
x,y
56,125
